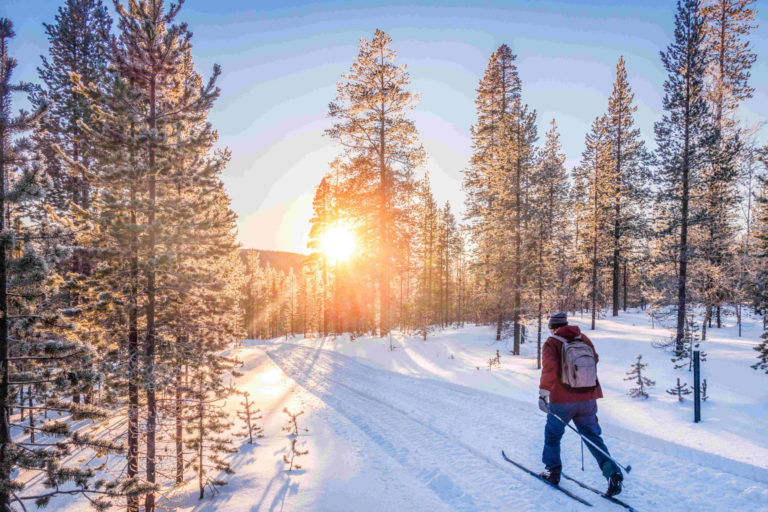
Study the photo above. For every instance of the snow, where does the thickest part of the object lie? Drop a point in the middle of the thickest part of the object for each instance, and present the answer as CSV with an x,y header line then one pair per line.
x,y
414,429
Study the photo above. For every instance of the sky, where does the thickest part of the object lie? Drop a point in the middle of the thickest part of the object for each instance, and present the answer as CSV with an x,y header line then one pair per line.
x,y
281,61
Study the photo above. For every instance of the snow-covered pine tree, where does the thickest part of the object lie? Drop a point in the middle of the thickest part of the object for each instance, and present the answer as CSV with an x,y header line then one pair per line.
x,y
370,122
37,350
162,226
78,43
683,139
679,390
249,414
292,427
635,374
761,241
207,423
630,174
171,104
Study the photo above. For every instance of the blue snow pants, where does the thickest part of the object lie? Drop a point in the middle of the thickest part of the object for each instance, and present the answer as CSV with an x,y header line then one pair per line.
x,y
584,416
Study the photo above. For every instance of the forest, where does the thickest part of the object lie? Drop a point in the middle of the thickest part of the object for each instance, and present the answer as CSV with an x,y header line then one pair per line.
x,y
124,294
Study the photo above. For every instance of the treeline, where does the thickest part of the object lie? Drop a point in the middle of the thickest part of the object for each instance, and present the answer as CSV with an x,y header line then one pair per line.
x,y
120,278
679,229
325,296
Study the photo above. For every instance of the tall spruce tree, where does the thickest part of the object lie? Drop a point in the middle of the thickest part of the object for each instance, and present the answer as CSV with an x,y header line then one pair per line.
x,y
630,175
548,218
37,349
683,138
730,58
78,43
495,182
593,193
162,224
427,242
371,124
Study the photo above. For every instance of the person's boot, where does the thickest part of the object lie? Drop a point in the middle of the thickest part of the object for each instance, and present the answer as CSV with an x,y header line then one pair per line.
x,y
614,484
552,475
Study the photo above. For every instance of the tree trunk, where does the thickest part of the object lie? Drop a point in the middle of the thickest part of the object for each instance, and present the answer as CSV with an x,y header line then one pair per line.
x,y
31,415
518,248
541,286
201,412
625,286
683,272
383,217
617,221
149,349
133,359
179,431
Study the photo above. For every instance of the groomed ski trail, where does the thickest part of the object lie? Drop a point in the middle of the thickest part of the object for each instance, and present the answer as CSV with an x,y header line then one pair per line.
x,y
448,437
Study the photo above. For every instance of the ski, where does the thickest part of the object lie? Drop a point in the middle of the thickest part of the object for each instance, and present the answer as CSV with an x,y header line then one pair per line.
x,y
536,475
600,493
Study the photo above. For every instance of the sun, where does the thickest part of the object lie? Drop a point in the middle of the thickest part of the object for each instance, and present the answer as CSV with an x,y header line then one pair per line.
x,y
338,243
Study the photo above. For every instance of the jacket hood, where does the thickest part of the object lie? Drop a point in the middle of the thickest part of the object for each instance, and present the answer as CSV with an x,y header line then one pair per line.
x,y
568,331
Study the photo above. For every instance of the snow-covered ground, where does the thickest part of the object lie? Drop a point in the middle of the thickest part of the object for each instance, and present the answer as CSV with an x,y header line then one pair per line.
x,y
421,427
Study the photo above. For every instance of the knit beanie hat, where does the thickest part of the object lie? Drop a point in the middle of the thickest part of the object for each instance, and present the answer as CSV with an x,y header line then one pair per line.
x,y
558,320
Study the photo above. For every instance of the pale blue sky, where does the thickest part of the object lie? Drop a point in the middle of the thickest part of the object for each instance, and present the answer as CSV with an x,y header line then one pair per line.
x,y
282,59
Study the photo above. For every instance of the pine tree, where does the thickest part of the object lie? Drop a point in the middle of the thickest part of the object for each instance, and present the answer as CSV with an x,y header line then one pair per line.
x,y
208,424
727,27
427,241
321,221
249,416
292,427
370,112
496,181
37,350
593,200
635,374
549,196
449,249
164,228
704,395
679,390
629,174
683,138
78,43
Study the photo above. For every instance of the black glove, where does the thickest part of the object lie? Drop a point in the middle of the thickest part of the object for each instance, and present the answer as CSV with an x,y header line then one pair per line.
x,y
544,400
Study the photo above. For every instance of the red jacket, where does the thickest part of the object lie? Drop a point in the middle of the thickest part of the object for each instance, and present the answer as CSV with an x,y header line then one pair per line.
x,y
551,362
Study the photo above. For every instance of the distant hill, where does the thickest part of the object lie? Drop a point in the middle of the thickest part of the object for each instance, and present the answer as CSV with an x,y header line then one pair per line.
x,y
279,260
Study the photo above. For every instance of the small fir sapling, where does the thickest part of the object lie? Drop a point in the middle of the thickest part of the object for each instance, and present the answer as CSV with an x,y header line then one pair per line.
x,y
679,390
636,375
249,416
292,427
704,394
495,361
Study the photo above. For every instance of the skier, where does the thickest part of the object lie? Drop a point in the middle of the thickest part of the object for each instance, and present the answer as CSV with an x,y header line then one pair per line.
x,y
572,395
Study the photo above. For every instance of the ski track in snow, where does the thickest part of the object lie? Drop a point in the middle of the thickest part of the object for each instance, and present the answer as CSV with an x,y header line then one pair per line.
x,y
449,437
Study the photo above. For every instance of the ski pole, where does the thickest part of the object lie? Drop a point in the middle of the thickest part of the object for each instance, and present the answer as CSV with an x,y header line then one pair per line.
x,y
549,411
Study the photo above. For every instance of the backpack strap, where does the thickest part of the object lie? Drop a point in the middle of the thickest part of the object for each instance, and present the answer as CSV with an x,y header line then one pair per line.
x,y
560,338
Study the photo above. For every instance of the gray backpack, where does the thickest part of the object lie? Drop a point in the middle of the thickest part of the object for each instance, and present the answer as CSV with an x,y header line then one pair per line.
x,y
579,367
